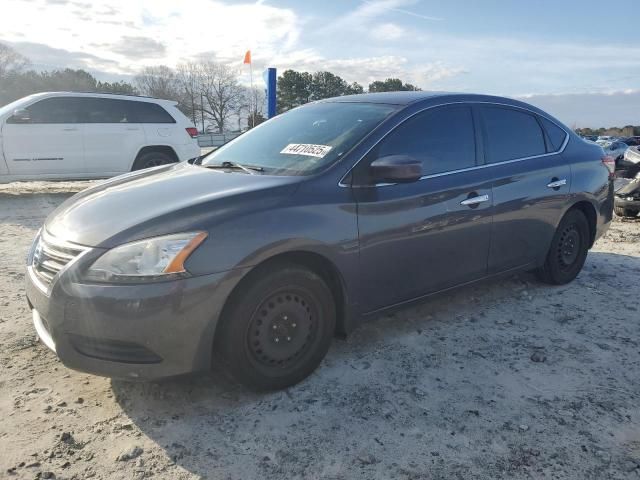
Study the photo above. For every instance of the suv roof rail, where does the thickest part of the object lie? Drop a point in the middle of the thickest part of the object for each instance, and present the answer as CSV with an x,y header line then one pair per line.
x,y
112,93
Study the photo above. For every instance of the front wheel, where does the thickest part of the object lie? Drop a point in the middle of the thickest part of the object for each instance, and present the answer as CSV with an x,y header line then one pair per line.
x,y
277,329
568,250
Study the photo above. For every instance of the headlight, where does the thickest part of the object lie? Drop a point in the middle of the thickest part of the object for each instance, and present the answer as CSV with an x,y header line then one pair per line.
x,y
153,259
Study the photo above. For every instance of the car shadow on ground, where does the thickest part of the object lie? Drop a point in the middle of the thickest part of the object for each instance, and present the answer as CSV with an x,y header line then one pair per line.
x,y
456,363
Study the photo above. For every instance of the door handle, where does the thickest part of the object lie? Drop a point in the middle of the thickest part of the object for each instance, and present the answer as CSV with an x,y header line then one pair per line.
x,y
133,128
70,129
556,184
475,200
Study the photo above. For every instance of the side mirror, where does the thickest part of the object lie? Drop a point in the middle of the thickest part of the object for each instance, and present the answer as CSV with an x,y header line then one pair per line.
x,y
21,115
396,169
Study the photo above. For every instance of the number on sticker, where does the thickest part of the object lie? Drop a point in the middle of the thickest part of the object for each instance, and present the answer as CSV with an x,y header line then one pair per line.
x,y
306,149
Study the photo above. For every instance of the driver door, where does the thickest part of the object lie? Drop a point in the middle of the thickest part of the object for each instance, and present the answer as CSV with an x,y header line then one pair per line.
x,y
45,139
425,236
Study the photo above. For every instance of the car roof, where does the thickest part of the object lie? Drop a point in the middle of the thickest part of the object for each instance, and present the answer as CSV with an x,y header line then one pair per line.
x,y
394,98
405,99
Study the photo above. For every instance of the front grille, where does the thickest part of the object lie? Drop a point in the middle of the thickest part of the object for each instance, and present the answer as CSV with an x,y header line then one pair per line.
x,y
52,255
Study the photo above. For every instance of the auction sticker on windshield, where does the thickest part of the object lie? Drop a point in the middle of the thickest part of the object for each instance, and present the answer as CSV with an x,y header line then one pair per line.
x,y
306,149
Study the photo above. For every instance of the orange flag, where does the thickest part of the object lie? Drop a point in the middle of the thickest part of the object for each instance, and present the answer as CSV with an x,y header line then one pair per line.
x,y
247,57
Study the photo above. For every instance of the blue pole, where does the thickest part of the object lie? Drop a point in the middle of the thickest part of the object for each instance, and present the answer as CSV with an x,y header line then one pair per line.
x,y
271,92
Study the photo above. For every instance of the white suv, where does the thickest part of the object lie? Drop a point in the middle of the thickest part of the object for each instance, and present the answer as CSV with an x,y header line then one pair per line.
x,y
90,135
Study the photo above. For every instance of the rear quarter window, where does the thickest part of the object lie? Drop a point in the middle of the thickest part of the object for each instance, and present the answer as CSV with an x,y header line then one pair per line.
x,y
512,134
145,112
556,134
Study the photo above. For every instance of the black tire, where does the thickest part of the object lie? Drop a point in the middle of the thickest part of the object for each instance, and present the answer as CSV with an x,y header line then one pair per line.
x,y
568,250
625,212
277,328
152,159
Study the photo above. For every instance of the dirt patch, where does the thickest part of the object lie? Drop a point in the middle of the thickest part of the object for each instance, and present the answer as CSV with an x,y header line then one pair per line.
x,y
508,379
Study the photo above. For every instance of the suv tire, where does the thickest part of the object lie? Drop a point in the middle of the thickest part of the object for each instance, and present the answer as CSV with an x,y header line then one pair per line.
x,y
152,159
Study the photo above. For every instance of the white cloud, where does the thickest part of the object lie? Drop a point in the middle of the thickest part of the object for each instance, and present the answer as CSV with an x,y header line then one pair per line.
x,y
375,8
387,31
151,31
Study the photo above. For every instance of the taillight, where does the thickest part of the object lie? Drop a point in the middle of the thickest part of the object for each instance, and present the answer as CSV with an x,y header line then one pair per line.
x,y
609,162
192,131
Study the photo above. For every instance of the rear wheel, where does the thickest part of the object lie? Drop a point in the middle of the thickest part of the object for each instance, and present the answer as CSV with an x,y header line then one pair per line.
x,y
568,250
152,159
625,212
277,330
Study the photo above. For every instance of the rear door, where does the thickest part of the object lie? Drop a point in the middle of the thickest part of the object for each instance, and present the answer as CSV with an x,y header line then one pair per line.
x,y
531,184
420,237
47,140
113,136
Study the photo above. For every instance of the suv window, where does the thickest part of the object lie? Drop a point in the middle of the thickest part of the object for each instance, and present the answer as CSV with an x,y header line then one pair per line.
x,y
511,134
442,138
145,112
106,110
52,110
556,134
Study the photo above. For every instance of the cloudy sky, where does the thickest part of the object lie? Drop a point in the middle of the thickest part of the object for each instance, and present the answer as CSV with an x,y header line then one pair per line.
x,y
580,60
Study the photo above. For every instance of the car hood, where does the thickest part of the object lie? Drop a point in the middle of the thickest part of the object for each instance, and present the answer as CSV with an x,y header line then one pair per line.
x,y
161,200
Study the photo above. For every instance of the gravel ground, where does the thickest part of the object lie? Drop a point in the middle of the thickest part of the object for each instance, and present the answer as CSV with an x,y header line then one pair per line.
x,y
508,379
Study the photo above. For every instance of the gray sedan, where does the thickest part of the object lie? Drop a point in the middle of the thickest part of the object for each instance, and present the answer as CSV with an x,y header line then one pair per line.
x,y
255,256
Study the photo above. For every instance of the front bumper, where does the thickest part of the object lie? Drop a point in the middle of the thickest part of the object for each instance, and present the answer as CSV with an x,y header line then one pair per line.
x,y
624,203
143,332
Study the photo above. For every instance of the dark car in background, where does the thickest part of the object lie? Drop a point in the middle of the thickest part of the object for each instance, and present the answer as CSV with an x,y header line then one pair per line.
x,y
627,199
614,149
631,141
256,255
629,165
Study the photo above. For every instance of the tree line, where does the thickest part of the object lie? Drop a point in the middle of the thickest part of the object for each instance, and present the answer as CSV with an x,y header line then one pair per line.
x,y
297,88
17,80
603,131
206,91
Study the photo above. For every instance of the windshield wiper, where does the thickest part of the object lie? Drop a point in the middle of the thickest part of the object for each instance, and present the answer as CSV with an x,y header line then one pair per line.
x,y
250,169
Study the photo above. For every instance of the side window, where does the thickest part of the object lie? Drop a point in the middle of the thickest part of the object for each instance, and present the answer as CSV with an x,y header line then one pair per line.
x,y
442,138
146,112
511,134
556,134
105,110
51,110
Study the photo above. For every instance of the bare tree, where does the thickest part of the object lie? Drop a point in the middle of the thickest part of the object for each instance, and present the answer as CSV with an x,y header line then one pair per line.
x,y
188,76
255,101
222,93
158,81
11,61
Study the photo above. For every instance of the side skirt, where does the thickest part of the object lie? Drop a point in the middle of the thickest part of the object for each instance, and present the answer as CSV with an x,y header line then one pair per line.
x,y
405,303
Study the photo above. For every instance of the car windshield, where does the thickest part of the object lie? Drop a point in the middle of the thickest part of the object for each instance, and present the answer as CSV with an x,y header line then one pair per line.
x,y
304,140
